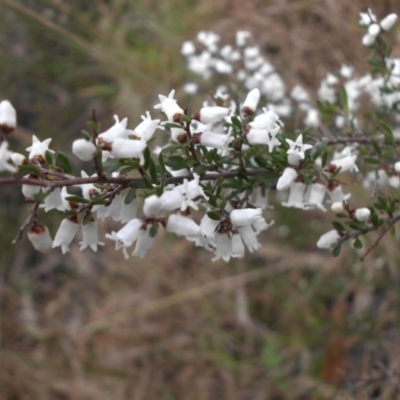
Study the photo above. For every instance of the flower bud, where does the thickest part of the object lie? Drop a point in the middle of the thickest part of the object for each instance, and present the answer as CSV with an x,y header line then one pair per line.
x,y
397,166
250,104
374,30
83,149
40,238
288,176
18,159
328,239
337,207
368,40
8,117
182,226
211,115
394,181
362,214
388,22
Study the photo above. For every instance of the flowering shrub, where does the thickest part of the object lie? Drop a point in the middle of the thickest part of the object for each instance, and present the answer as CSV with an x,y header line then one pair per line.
x,y
224,160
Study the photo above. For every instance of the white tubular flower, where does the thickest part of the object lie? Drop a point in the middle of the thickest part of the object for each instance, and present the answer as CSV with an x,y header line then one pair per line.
x,y
189,191
345,164
267,120
337,207
145,130
90,237
362,214
223,247
335,192
37,150
388,22
367,18
263,136
5,155
127,148
30,190
128,211
260,199
296,196
66,233
144,243
88,189
127,235
152,206
288,177
39,236
346,71
250,104
218,141
249,237
53,201
328,239
316,196
394,181
83,149
397,166
172,200
245,216
114,209
8,117
190,88
211,115
118,130
169,107
297,148
182,226
238,249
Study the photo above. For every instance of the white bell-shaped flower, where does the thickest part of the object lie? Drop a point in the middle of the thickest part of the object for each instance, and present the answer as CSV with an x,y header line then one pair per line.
x,y
90,236
66,233
8,117
83,149
328,239
40,238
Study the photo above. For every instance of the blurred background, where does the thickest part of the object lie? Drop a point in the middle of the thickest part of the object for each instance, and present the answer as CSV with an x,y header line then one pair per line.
x,y
287,322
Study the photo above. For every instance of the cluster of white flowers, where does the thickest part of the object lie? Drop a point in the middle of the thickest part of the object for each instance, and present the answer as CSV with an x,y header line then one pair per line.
x,y
211,184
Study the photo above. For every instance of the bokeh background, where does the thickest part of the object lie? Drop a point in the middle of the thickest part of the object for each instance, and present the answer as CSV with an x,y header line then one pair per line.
x,y
287,322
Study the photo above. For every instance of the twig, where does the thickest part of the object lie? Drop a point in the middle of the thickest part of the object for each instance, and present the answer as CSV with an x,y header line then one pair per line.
x,y
28,220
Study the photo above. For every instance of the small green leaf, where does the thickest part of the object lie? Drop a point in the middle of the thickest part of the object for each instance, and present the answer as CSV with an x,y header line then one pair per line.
x,y
336,250
376,147
86,135
186,118
64,163
213,215
39,197
389,138
338,226
357,244
138,185
372,160
88,218
153,230
130,196
77,199
50,157
30,169
236,122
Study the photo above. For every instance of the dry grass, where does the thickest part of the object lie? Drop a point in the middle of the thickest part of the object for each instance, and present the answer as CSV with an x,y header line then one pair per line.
x,y
285,323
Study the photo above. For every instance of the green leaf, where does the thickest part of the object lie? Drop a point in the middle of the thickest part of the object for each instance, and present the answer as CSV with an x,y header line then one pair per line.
x,y
161,161
372,160
87,218
130,196
153,171
30,169
186,118
213,215
236,122
336,250
357,244
343,100
338,226
50,157
39,197
138,185
77,199
86,136
147,158
153,230
393,232
173,125
389,138
64,163
376,147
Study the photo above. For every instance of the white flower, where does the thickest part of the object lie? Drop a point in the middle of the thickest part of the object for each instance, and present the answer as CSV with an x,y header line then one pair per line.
x,y
128,211
263,136
223,248
345,164
144,243
368,40
249,237
17,158
188,48
38,149
211,115
394,181
296,196
316,195
367,18
127,148
245,216
267,120
346,71
238,249
172,200
388,22
242,37
145,130
260,198
29,191
312,119
83,149
127,235
152,206
397,166
335,192
251,102
90,237
289,175
297,148
328,239
66,233
40,238
53,201
374,30
190,88
362,214
218,141
8,117
5,155
189,191
182,226
169,106
118,130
